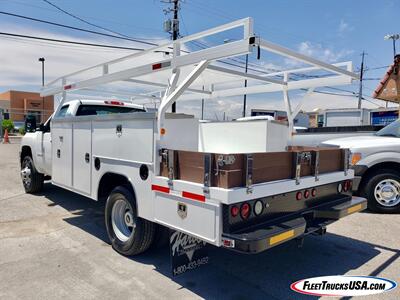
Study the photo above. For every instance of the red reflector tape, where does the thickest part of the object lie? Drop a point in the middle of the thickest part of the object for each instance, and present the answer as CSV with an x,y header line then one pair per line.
x,y
159,188
68,87
192,196
157,66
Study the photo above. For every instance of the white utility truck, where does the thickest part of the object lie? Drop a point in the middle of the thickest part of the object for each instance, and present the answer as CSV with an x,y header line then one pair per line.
x,y
117,152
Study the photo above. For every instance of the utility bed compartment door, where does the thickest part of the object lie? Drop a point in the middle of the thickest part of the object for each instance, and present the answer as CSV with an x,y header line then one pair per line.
x,y
195,218
82,156
62,153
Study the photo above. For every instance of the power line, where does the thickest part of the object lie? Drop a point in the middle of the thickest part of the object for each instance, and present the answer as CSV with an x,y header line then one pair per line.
x,y
68,42
75,28
94,25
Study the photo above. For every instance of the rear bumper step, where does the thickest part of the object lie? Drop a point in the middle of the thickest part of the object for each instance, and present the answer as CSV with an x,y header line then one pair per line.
x,y
272,235
343,209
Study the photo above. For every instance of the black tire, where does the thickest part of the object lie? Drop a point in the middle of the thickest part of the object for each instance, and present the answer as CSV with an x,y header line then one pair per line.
x,y
368,191
33,183
140,238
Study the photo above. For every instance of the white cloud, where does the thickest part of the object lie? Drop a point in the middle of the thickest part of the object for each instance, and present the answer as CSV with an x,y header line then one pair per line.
x,y
20,68
320,52
344,27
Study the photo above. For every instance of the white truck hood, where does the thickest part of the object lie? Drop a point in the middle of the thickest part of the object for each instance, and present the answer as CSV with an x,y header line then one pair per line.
x,y
363,141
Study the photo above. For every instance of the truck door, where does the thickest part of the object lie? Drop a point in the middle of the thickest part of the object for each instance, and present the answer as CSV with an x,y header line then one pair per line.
x,y
61,139
82,156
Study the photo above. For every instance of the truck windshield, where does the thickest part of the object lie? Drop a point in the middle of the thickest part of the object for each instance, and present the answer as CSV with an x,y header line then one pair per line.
x,y
93,110
393,129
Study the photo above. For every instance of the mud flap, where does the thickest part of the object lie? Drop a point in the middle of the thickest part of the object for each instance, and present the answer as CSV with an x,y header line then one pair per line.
x,y
187,252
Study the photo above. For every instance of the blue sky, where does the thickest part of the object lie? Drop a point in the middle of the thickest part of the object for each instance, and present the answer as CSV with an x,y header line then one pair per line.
x,y
330,30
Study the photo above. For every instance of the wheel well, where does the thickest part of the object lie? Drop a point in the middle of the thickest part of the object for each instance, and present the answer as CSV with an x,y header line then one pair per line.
x,y
25,151
387,165
108,182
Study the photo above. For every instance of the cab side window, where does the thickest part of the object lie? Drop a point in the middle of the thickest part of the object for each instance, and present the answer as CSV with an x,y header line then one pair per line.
x,y
63,111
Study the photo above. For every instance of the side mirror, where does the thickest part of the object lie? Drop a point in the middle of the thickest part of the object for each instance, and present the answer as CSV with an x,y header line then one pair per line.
x,y
42,127
30,124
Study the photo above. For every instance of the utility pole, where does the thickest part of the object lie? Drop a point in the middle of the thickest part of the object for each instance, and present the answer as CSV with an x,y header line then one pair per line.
x,y
361,80
172,26
42,60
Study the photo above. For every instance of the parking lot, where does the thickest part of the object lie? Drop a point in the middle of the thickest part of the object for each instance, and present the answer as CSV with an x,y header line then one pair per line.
x,y
54,245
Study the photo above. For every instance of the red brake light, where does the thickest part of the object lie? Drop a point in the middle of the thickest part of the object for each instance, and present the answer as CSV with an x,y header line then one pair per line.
x,y
234,211
299,196
306,194
113,102
245,211
313,192
346,186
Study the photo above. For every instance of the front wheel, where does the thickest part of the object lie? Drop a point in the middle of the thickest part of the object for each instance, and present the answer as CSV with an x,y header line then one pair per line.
x,y
129,234
31,178
383,192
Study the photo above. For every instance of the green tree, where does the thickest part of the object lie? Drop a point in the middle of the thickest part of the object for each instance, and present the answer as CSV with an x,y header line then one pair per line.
x,y
8,124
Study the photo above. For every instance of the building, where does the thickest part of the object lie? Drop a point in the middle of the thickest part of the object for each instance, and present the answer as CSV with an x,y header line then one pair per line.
x,y
389,87
16,105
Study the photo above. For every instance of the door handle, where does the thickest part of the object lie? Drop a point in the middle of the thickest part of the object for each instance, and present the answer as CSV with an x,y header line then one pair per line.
x,y
87,157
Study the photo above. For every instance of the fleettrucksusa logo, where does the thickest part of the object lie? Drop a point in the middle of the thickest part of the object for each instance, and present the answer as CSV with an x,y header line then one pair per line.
x,y
343,286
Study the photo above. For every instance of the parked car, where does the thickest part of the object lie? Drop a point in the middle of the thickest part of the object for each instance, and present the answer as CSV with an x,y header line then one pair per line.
x,y
376,162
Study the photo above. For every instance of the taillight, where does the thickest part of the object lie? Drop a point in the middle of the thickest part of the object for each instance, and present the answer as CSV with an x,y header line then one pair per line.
x,y
313,192
245,211
306,194
234,211
299,196
347,185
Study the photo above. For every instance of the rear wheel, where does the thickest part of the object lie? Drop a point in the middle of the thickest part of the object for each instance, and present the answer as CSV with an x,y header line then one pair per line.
x,y
382,190
129,234
31,178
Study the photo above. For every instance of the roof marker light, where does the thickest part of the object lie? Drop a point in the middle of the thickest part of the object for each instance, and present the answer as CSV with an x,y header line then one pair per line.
x,y
114,102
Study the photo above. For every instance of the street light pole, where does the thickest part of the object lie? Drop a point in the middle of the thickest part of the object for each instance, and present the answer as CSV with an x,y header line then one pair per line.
x,y
42,60
394,38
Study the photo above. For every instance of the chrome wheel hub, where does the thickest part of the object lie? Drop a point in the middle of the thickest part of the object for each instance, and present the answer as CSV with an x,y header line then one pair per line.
x,y
122,220
387,192
26,175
